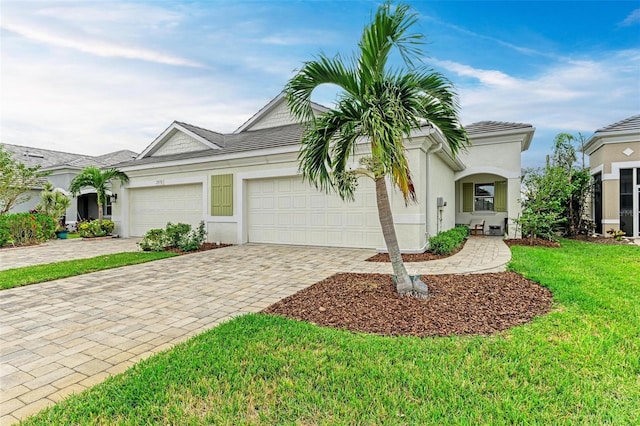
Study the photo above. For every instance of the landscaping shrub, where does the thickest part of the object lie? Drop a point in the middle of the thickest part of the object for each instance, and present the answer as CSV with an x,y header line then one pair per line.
x,y
153,240
175,233
194,239
95,228
448,241
178,235
26,228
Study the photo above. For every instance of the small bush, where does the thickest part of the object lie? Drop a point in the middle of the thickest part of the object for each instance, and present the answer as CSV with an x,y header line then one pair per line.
x,y
448,241
26,228
194,239
175,234
178,235
95,229
153,240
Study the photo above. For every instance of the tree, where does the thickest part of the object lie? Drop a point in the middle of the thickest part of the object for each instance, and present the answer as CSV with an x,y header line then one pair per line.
x,y
100,180
53,203
381,105
555,197
16,180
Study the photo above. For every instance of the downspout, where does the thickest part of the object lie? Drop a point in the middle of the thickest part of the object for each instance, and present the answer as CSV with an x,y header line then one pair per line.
x,y
432,150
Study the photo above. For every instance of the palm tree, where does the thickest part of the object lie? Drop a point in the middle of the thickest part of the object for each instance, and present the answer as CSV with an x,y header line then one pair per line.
x,y
378,104
100,180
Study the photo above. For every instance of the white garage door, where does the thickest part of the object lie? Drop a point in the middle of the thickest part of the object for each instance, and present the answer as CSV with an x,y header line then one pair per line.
x,y
289,211
154,207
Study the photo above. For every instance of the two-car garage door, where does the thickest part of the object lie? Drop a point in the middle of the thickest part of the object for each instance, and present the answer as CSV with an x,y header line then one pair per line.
x,y
290,211
153,207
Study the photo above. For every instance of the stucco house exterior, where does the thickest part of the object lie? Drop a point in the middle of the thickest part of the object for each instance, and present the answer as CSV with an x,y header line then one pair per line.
x,y
62,168
614,160
246,186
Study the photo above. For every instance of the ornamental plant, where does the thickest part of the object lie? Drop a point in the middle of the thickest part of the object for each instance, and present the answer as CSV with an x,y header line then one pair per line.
x,y
26,228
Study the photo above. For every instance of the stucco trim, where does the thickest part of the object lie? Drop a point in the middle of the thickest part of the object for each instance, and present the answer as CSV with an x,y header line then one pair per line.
x,y
486,169
617,166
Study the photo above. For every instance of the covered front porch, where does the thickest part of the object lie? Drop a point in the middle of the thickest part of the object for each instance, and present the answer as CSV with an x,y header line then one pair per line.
x,y
489,203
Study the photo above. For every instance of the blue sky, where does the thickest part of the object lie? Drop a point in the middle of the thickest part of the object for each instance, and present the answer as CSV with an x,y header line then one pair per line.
x,y
97,76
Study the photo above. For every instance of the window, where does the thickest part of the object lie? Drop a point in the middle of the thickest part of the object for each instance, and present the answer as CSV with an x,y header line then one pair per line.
x,y
107,208
483,197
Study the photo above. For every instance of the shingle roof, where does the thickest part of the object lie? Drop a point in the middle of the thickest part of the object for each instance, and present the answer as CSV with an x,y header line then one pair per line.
x,y
250,140
49,159
494,126
631,123
210,135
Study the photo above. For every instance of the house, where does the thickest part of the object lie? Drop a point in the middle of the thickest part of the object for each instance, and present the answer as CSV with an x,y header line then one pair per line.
x,y
62,168
614,159
246,186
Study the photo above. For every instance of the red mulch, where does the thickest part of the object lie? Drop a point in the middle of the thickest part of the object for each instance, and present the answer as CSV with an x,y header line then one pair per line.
x,y
414,257
457,304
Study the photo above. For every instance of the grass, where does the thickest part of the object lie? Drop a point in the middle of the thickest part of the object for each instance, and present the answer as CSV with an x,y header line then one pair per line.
x,y
577,365
17,277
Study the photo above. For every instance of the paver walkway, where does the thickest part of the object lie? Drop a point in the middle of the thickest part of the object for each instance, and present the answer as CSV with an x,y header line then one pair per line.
x,y
63,336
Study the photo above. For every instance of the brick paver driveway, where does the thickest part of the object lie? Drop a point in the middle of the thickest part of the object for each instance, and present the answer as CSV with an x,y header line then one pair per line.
x,y
60,337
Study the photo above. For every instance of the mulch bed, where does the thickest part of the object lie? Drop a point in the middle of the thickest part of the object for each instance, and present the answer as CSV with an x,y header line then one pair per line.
x,y
601,239
414,257
538,242
457,305
203,247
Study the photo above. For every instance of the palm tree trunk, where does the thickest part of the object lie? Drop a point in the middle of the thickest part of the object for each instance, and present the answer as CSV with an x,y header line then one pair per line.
x,y
404,285
99,211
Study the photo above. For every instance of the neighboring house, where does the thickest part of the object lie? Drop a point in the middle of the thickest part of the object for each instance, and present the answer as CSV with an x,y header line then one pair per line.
x,y
62,168
614,159
246,187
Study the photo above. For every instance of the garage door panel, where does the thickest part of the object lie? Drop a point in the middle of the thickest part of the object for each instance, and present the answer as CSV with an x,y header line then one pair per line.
x,y
153,207
290,211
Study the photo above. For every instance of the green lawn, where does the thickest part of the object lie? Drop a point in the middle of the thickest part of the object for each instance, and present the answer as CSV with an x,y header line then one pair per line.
x,y
17,277
578,365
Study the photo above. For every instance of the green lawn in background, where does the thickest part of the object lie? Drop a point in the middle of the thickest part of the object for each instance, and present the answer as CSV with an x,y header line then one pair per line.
x,y
580,364
17,277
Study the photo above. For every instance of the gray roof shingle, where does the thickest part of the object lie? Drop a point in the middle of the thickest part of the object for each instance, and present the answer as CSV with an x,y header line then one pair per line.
x,y
631,123
494,126
50,159
250,140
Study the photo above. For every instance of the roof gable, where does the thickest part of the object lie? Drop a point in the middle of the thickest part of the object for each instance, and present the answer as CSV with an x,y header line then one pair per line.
x,y
276,113
181,138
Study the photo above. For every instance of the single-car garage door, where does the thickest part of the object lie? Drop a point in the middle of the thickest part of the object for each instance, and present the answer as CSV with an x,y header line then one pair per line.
x,y
153,207
290,211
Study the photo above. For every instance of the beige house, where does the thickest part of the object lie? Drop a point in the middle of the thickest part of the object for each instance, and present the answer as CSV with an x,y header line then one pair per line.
x,y
246,186
614,158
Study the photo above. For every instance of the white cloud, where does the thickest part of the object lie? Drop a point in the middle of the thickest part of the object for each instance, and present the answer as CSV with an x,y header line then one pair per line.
x,y
574,96
632,19
94,46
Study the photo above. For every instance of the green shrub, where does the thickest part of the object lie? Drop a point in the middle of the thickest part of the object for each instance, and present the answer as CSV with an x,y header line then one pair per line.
x,y
448,241
178,235
26,228
107,226
175,233
153,240
194,239
95,228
